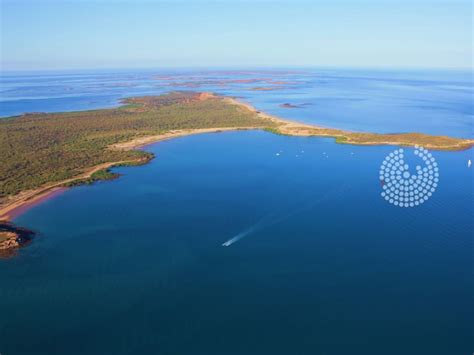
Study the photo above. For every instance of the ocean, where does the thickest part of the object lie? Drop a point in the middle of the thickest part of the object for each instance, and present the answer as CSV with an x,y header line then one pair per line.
x,y
432,102
249,243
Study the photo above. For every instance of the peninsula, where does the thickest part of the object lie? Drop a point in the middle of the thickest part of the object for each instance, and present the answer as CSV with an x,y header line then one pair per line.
x,y
43,153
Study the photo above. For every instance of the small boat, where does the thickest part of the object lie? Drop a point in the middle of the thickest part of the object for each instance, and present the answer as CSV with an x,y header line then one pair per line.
x,y
469,163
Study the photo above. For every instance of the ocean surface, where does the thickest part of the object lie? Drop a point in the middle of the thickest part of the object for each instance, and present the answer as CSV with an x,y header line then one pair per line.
x,y
434,102
249,243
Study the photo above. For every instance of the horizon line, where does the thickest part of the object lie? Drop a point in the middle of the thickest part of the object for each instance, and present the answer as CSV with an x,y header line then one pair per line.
x,y
237,67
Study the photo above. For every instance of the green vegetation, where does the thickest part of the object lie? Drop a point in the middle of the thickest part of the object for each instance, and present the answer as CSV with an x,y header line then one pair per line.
x,y
273,130
405,139
39,148
341,139
104,174
357,138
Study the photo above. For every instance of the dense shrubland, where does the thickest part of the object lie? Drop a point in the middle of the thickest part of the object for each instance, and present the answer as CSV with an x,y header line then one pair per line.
x,y
39,148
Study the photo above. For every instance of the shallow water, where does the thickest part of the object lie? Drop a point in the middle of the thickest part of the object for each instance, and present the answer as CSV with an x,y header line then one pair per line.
x,y
434,102
325,265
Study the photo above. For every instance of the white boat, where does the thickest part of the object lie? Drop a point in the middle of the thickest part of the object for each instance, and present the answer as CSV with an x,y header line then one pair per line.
x,y
469,163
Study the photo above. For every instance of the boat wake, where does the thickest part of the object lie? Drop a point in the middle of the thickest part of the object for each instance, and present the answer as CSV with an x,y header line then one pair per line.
x,y
268,221
260,224
238,237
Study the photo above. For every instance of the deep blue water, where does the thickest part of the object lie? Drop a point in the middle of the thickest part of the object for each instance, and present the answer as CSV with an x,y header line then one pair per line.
x,y
323,265
435,102
137,266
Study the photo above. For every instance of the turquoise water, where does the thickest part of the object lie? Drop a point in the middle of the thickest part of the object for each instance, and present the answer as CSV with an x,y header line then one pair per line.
x,y
324,265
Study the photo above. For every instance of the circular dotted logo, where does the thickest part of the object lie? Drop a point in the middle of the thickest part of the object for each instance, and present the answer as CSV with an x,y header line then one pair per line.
x,y
401,187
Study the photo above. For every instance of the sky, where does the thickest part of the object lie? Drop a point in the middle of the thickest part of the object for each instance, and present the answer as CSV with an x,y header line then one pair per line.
x,y
78,34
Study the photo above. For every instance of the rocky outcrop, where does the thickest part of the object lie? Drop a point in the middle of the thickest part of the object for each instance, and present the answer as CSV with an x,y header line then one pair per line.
x,y
287,105
8,240
13,237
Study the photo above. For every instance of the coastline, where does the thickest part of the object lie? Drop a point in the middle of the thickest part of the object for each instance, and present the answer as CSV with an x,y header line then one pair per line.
x,y
13,206
18,204
294,128
23,205
13,238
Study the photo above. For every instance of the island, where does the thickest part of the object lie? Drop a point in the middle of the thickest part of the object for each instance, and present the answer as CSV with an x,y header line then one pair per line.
x,y
266,88
44,153
288,105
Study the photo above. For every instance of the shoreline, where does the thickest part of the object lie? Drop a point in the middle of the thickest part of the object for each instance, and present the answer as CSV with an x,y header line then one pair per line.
x,y
24,201
294,128
14,206
12,238
17,209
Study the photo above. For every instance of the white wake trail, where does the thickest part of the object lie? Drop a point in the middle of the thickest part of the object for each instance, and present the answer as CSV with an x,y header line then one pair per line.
x,y
237,238
245,233
267,221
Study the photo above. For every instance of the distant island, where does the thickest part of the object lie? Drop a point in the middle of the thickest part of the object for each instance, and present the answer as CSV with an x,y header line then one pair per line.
x,y
288,105
43,153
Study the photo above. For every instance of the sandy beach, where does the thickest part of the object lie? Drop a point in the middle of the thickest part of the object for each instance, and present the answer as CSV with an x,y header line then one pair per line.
x,y
11,207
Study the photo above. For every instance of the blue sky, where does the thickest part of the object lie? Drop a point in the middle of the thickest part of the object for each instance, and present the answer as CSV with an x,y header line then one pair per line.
x,y
78,34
